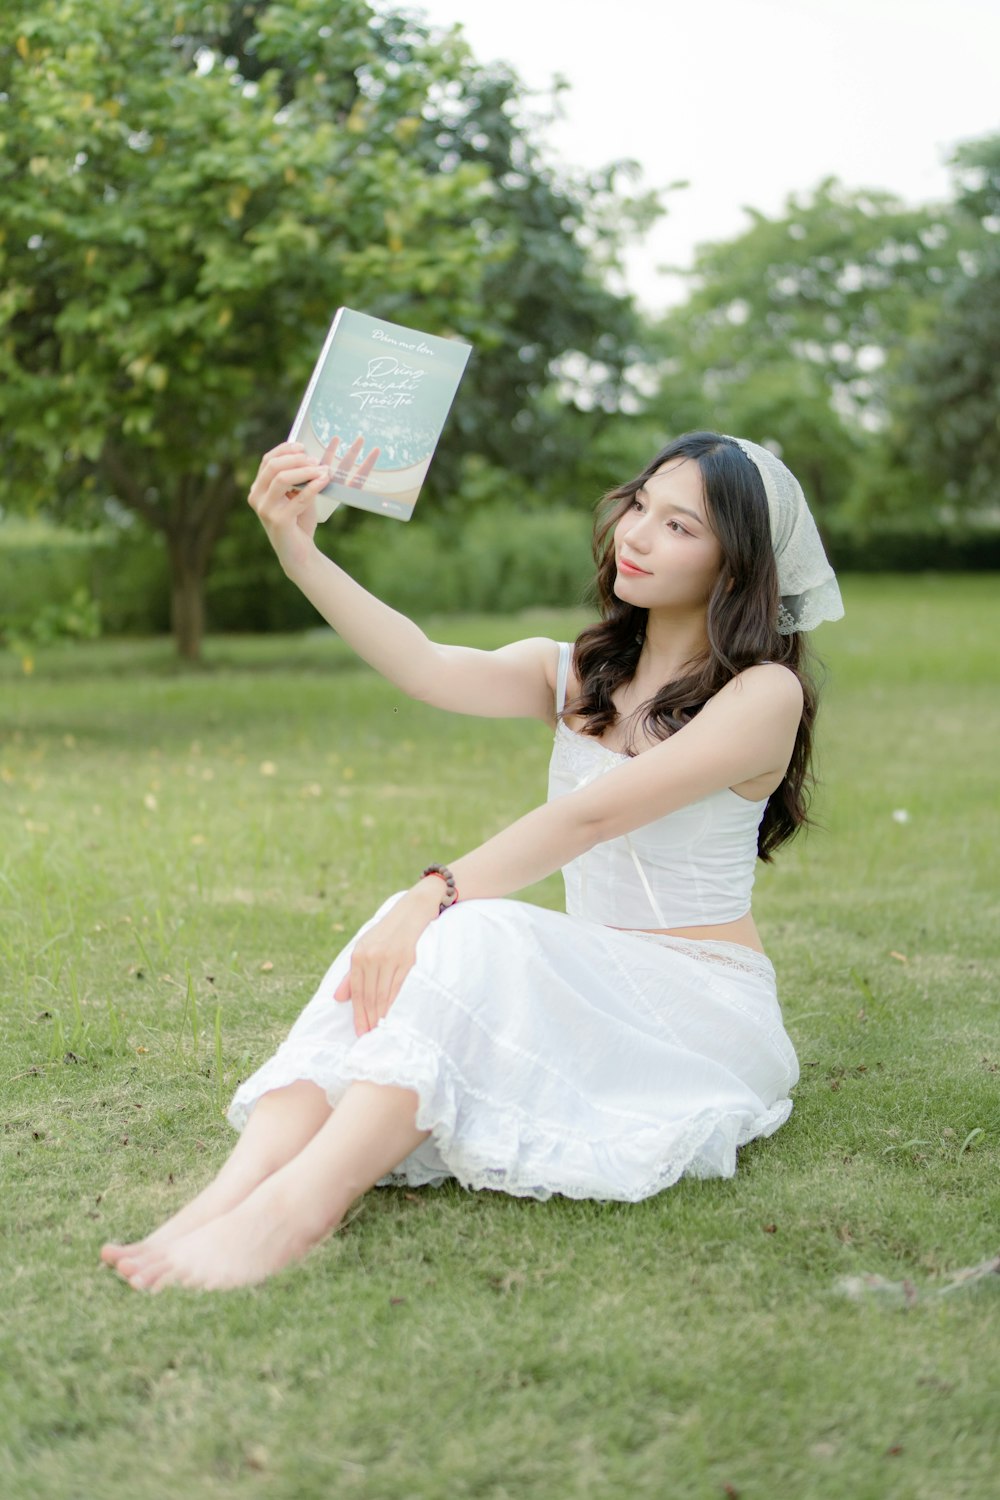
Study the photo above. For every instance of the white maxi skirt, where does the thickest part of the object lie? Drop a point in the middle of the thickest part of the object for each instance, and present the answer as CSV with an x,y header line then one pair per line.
x,y
550,1054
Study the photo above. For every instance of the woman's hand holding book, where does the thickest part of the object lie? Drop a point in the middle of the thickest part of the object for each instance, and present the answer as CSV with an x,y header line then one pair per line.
x,y
283,495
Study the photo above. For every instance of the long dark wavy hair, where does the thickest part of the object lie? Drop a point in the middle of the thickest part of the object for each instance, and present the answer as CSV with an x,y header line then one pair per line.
x,y
742,622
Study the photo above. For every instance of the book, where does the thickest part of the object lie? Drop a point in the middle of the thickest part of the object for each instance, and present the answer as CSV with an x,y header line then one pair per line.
x,y
374,409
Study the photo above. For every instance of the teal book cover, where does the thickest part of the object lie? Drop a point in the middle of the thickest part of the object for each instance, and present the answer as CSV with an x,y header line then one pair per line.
x,y
374,409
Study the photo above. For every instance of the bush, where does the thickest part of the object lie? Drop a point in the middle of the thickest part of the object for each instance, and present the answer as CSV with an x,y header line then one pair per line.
x,y
131,581
44,567
497,557
497,561
246,590
38,566
894,550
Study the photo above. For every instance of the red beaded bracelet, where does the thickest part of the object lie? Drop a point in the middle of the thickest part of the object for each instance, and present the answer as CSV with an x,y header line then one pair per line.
x,y
451,890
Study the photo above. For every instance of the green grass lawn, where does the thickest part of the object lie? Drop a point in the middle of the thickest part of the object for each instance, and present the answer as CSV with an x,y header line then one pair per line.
x,y
181,853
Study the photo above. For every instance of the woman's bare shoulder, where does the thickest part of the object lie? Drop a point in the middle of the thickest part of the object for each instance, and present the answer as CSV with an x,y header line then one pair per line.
x,y
770,677
766,687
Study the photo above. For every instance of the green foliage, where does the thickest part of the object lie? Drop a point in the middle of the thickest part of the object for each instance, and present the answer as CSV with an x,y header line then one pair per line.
x,y
175,237
977,174
794,330
950,387
545,302
77,618
836,282
46,592
498,558
121,571
900,545
188,191
41,563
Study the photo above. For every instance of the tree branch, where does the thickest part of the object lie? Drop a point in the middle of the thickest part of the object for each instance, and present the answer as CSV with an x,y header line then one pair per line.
x,y
127,487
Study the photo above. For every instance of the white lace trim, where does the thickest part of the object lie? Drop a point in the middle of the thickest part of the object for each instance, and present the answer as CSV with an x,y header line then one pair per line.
x,y
504,1149
734,956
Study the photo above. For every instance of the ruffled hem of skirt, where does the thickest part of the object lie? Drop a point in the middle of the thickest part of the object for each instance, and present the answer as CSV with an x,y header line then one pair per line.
x,y
485,1144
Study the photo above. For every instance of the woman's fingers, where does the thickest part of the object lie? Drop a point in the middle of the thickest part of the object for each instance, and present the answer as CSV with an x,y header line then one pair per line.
x,y
283,450
289,492
347,461
287,465
284,454
396,984
371,985
362,997
358,482
359,980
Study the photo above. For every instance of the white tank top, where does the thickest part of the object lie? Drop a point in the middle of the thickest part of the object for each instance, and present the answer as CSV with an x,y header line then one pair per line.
x,y
692,868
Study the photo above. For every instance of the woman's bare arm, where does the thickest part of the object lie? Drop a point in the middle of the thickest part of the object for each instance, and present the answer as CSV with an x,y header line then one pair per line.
x,y
744,733
516,681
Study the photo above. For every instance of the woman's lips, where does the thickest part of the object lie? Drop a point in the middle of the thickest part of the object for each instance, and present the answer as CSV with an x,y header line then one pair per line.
x,y
624,566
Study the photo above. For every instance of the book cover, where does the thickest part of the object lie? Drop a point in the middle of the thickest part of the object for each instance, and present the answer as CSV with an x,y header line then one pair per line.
x,y
374,409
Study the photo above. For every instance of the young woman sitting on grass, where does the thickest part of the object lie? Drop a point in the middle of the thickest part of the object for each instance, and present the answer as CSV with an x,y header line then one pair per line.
x,y
605,1051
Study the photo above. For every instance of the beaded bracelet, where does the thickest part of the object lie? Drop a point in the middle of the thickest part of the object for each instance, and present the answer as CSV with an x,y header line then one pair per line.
x,y
451,890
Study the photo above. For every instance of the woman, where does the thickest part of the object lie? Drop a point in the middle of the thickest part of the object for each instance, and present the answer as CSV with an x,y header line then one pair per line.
x,y
601,1052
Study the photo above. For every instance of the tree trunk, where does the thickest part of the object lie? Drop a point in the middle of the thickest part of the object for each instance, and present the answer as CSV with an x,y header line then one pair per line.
x,y
187,595
192,519
199,518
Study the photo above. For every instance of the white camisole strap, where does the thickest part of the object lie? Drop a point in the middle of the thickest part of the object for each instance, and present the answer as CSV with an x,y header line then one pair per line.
x,y
562,674
644,882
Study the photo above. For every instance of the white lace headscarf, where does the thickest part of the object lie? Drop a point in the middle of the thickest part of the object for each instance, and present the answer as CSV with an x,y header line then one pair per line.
x,y
806,581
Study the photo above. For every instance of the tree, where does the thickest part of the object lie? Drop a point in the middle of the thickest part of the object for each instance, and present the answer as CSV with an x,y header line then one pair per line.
x,y
187,191
176,232
547,303
794,329
949,399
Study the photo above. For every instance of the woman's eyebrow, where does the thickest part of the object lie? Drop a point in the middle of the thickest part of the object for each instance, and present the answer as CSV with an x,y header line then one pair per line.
x,y
671,505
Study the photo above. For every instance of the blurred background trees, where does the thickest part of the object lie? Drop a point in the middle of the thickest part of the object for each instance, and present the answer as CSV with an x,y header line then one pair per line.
x,y
946,402
188,191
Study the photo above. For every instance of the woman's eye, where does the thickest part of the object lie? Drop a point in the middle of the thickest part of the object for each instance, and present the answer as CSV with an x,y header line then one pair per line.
x,y
676,525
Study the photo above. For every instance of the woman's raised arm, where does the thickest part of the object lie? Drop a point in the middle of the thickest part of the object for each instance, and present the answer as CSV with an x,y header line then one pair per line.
x,y
517,681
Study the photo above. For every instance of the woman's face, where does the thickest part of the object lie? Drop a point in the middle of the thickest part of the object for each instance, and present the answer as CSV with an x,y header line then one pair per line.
x,y
666,553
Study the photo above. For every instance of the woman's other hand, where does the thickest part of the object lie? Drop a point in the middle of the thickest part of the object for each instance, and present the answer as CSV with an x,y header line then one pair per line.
x,y
384,955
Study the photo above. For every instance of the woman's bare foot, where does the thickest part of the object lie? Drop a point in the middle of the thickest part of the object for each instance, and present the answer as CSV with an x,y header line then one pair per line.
x,y
283,1122
218,1198
371,1131
267,1231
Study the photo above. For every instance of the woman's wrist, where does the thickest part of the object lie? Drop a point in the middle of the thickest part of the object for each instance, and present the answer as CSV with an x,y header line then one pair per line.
x,y
429,891
298,562
442,873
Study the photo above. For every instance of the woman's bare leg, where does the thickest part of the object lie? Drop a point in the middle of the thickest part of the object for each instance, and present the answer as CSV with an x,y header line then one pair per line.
x,y
372,1130
281,1123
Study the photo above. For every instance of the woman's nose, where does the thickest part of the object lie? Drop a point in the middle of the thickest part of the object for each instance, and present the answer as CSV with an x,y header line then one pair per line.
x,y
638,534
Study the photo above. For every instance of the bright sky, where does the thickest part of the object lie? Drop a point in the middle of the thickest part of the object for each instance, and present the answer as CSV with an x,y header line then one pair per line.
x,y
749,100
